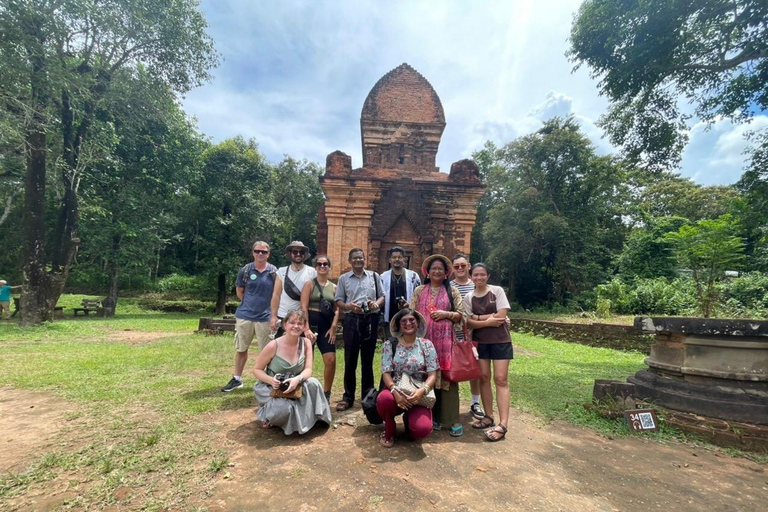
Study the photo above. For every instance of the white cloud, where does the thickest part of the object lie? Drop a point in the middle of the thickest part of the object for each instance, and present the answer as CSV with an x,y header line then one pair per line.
x,y
715,155
296,73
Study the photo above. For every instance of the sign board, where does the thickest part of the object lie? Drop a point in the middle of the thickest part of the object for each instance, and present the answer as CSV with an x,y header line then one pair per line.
x,y
640,420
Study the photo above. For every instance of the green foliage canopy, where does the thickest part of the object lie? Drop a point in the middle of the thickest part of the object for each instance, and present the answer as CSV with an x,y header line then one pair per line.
x,y
647,53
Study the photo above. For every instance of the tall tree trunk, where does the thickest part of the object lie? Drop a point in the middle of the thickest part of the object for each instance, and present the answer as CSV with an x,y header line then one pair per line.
x,y
110,303
34,291
221,298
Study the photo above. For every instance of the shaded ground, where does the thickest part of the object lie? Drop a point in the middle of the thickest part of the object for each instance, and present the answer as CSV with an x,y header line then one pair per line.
x,y
552,467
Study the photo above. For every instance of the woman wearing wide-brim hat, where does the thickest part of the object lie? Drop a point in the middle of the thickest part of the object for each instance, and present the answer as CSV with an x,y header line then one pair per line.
x,y
442,306
413,355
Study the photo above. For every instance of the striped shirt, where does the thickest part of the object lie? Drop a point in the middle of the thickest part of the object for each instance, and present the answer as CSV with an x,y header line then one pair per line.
x,y
464,289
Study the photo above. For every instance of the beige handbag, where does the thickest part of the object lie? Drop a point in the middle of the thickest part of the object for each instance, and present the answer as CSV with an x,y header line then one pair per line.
x,y
409,385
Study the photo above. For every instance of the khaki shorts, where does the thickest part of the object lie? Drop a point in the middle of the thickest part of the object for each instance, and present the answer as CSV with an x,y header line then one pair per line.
x,y
245,330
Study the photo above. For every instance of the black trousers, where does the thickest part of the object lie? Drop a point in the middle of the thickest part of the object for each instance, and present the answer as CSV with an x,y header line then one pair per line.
x,y
359,339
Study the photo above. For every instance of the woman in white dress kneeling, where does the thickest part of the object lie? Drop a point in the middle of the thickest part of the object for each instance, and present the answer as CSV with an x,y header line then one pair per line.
x,y
287,361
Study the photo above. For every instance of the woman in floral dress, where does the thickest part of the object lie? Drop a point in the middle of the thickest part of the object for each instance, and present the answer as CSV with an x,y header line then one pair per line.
x,y
441,304
415,356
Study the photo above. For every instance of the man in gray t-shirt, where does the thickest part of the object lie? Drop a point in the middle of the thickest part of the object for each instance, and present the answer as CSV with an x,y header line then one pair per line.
x,y
360,294
254,286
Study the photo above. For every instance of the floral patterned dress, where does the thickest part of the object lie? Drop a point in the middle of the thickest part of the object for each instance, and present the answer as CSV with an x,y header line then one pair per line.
x,y
417,360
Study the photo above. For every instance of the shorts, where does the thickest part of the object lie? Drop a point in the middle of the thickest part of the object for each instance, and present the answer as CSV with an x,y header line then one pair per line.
x,y
320,326
245,330
495,351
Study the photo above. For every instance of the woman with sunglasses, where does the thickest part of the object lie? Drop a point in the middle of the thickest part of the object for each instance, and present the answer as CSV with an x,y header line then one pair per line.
x,y
413,355
319,323
487,308
441,304
288,359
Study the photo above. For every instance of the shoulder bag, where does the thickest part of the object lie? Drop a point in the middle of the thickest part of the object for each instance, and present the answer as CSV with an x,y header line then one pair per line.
x,y
326,306
290,288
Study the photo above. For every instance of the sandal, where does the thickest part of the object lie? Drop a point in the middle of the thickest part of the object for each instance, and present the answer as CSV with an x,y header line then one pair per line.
x,y
266,425
457,430
496,433
486,422
386,443
436,426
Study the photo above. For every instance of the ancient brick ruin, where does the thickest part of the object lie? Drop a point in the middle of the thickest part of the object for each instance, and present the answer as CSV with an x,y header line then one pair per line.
x,y
398,196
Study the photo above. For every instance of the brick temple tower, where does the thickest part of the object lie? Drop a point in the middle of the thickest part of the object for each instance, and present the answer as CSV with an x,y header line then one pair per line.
x,y
398,197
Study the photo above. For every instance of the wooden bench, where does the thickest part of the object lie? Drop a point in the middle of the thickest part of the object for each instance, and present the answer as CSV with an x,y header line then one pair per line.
x,y
58,311
89,306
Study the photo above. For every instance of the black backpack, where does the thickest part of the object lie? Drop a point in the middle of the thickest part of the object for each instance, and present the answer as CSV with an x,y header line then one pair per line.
x,y
369,400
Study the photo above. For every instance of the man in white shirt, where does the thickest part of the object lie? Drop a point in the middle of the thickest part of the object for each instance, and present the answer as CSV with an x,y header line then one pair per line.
x,y
286,295
397,283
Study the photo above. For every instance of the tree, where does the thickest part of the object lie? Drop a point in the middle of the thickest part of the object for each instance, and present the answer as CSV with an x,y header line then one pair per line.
x,y
129,202
671,195
555,213
647,54
59,58
753,210
648,253
708,248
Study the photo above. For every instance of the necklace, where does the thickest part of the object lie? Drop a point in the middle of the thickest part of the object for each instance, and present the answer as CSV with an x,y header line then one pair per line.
x,y
397,279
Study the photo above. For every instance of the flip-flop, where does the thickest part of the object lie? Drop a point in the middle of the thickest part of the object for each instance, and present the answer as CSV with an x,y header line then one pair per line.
x,y
495,430
486,422
457,430
386,443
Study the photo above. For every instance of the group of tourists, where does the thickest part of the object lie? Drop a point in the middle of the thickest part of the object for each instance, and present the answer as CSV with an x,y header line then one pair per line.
x,y
293,309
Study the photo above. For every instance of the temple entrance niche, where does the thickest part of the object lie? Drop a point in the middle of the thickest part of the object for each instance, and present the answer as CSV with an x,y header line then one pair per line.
x,y
399,196
401,234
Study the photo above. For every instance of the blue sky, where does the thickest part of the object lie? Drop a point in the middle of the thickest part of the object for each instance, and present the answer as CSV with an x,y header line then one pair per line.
x,y
295,74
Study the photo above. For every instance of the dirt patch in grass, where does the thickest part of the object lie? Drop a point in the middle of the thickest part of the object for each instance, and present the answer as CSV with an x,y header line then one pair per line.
x,y
138,337
30,424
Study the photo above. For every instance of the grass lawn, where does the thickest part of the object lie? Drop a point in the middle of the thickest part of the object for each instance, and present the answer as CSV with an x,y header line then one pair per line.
x,y
142,380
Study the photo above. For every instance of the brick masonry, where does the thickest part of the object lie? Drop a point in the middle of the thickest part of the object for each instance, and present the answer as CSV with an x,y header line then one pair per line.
x,y
398,197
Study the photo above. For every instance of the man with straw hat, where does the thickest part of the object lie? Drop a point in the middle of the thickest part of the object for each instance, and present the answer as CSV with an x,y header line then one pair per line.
x,y
286,295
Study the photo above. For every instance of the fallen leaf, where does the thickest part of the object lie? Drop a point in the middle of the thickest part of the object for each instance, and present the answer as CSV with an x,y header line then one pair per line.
x,y
481,469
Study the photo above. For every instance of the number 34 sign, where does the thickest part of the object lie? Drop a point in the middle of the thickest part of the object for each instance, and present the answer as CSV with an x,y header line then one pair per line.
x,y
641,420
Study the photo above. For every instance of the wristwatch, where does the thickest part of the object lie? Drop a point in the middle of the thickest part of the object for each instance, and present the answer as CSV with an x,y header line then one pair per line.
x,y
427,389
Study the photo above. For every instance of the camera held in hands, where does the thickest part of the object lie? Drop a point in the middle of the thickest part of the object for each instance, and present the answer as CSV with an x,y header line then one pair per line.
x,y
401,303
283,378
365,307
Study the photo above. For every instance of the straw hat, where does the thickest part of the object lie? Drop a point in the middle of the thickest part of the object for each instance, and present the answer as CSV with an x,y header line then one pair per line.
x,y
394,324
430,259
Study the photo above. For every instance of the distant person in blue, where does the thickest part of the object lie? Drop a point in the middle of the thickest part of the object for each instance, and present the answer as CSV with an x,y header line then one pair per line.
x,y
254,286
5,299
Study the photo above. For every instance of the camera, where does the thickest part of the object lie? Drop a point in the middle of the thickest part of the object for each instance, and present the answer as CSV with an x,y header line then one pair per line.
x,y
283,378
365,307
401,303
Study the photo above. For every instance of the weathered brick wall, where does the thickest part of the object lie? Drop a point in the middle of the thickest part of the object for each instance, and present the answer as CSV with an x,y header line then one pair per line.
x,y
620,337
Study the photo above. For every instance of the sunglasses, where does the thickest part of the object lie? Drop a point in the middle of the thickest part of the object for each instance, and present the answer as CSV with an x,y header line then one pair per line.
x,y
406,321
298,253
460,266
322,264
260,251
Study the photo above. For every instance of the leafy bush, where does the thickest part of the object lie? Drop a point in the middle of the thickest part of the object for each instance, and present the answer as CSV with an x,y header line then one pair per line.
x,y
186,286
657,296
746,296
176,306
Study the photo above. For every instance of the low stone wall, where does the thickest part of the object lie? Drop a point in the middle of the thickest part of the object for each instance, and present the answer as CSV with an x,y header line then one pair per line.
x,y
620,337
